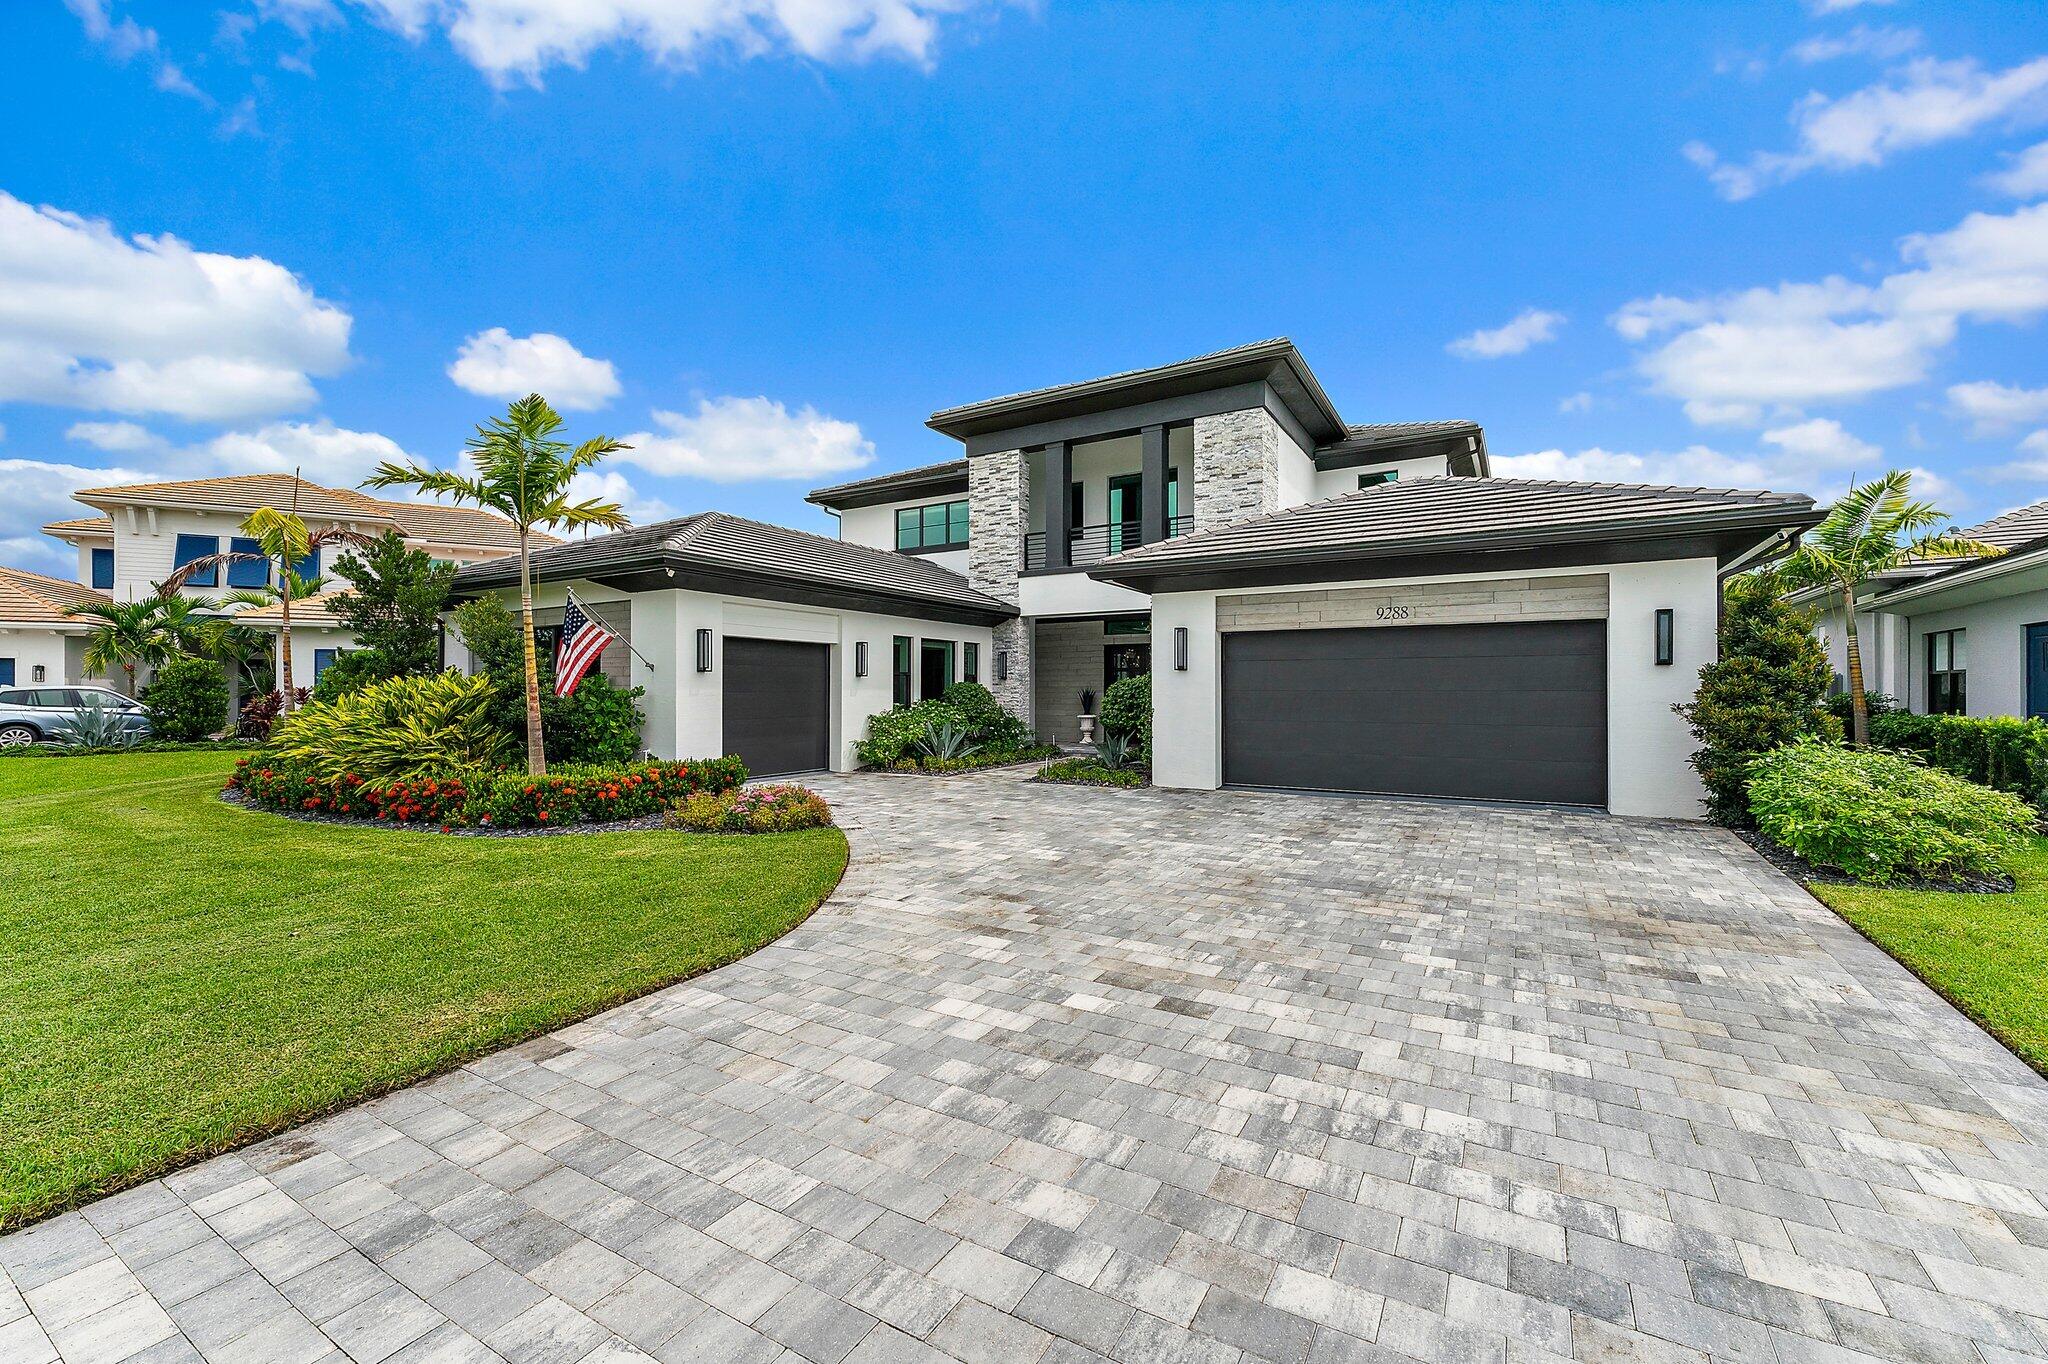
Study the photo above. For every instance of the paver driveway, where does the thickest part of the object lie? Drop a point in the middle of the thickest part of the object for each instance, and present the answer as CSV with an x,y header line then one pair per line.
x,y
1063,1074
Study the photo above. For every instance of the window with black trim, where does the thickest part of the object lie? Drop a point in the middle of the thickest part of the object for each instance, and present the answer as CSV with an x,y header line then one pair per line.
x,y
900,671
103,569
970,662
942,525
1379,476
1947,676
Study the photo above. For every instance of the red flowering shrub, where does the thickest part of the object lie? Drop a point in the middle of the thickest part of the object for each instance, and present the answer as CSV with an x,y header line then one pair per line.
x,y
497,800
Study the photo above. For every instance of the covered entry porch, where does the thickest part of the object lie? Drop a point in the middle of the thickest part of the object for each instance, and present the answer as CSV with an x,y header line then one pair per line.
x,y
1083,654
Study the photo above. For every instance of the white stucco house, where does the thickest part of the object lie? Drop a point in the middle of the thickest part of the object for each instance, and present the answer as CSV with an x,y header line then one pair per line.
x,y
1322,605
1954,636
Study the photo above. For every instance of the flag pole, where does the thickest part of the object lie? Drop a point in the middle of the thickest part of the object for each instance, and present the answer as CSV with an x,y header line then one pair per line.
x,y
571,595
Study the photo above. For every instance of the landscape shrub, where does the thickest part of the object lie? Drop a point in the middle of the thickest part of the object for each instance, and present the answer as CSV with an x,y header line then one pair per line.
x,y
96,727
1090,772
596,723
1881,816
752,810
494,800
1875,703
259,713
2000,752
990,724
893,734
899,738
1765,691
187,700
399,728
987,757
351,671
1127,709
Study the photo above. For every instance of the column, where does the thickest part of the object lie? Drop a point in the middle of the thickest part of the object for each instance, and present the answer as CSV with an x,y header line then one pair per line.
x,y
1152,485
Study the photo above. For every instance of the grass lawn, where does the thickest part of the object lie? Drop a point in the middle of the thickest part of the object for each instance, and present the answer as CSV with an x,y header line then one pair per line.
x,y
1987,954
178,975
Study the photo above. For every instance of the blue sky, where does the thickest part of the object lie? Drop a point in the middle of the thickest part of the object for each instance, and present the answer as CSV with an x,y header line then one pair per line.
x,y
1768,244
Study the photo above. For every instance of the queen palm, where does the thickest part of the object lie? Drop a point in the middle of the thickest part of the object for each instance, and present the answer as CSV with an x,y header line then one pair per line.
x,y
1874,528
126,635
523,473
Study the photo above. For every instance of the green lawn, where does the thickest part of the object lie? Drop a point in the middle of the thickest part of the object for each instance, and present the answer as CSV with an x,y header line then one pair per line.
x,y
178,975
1987,954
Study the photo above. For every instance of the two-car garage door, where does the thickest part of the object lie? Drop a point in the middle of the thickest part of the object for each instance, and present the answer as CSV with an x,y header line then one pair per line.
x,y
1488,711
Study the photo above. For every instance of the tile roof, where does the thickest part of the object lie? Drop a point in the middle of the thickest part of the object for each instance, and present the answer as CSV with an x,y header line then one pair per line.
x,y
870,490
1228,353
89,525
717,541
1454,514
444,525
36,597
432,522
2014,528
1395,433
314,610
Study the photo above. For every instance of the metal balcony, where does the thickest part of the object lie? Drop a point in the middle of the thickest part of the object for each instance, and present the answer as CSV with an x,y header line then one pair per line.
x,y
1093,544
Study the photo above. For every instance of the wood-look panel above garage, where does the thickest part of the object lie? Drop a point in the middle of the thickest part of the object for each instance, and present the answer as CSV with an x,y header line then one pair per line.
x,y
1495,601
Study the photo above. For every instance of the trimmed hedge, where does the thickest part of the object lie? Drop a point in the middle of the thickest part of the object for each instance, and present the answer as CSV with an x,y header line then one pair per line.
x,y
1999,752
1883,816
496,800
987,757
1089,772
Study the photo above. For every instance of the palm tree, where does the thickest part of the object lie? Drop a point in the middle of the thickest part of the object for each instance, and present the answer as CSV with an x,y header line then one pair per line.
x,y
1873,529
283,538
126,635
522,473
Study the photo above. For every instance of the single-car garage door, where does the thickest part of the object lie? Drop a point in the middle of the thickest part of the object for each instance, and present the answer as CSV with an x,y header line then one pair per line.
x,y
1487,712
778,707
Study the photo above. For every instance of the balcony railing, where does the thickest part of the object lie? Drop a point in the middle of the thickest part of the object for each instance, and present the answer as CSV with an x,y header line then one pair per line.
x,y
1093,544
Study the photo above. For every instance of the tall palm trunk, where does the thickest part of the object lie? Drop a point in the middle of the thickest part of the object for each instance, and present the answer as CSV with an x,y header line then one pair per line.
x,y
128,677
284,646
536,751
1859,709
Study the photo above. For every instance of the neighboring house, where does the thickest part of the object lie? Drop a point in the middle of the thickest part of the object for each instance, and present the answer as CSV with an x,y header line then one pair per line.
x,y
1954,636
38,642
1321,605
148,530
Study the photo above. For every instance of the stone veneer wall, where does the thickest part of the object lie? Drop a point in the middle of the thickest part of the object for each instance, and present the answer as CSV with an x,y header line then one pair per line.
x,y
998,492
1070,658
1237,467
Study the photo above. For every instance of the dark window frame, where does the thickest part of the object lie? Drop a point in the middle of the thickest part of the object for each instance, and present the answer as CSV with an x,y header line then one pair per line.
x,y
901,654
953,527
970,662
180,557
951,650
102,554
1375,477
1948,689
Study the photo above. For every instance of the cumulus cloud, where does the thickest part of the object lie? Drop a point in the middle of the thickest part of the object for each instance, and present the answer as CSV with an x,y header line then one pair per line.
x,y
497,364
2034,464
1823,443
1529,327
1997,407
119,437
1735,357
33,492
1882,43
1701,466
145,324
1925,102
2025,174
513,40
733,440
610,485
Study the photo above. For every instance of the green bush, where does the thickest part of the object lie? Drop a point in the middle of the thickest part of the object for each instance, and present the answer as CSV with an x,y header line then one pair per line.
x,y
986,757
2002,753
187,700
596,723
1127,709
893,734
751,810
1089,772
1883,816
402,727
489,800
351,671
1765,691
1875,703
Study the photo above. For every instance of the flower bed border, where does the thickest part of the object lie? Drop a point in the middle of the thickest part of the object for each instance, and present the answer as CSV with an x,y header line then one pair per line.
x,y
1141,785
640,824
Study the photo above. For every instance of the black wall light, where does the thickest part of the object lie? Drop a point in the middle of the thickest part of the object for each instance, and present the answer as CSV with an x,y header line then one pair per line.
x,y
703,651
1002,665
1180,648
860,658
1663,636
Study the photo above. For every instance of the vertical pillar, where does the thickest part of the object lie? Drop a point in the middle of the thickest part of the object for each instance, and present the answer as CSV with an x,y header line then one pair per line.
x,y
1059,477
1152,485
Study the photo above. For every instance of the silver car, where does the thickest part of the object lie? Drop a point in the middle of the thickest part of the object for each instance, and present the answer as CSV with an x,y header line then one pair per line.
x,y
33,715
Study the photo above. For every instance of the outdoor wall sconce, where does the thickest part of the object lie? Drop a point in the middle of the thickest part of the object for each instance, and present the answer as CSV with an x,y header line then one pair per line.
x,y
703,651
1180,648
41,674
1663,636
1002,665
860,658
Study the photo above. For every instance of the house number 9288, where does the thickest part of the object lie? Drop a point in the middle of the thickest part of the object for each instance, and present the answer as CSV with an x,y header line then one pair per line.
x,y
1390,613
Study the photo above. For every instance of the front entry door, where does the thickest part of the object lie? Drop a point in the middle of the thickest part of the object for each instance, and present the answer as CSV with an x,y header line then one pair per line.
x,y
935,669
1124,660
2037,672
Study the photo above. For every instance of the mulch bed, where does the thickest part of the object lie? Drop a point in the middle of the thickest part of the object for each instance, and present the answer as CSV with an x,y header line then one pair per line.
x,y
1799,869
457,831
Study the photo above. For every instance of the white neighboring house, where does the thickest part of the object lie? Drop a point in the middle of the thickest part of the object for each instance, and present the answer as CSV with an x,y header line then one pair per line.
x,y
145,531
1954,636
1321,605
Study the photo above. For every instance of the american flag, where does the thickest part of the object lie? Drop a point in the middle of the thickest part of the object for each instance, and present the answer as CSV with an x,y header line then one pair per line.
x,y
583,639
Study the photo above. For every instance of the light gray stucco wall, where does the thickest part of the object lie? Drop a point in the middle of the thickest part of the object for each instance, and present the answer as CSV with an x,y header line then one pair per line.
x,y
1995,651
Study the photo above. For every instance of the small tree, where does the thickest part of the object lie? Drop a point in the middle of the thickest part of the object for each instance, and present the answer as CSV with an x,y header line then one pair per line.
x,y
524,474
126,636
187,700
1871,530
1767,689
393,606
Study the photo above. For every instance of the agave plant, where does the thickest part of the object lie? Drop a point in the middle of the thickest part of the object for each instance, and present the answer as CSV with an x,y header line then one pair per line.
x,y
398,729
1116,751
946,742
96,725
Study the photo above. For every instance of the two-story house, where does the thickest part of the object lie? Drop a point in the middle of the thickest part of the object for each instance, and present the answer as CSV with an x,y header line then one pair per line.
x,y
1322,605
146,531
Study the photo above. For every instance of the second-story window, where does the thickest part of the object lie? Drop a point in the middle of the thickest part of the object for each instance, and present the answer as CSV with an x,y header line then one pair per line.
x,y
192,547
103,569
247,572
942,525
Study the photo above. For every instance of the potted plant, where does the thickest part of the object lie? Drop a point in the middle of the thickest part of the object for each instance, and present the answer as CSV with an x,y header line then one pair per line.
x,y
1087,716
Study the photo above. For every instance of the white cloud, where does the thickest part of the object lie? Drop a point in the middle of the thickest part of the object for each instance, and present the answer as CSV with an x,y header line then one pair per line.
x,y
1702,466
1997,407
497,364
732,440
119,437
34,491
1840,6
612,486
1529,327
1822,442
1734,357
2025,175
521,39
1882,43
148,325
320,451
1577,402
125,40
1922,103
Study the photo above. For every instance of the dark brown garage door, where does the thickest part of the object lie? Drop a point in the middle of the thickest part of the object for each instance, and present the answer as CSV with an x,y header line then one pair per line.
x,y
778,708
1487,712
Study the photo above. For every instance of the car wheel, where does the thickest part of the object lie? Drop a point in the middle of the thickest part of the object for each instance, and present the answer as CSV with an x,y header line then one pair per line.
x,y
15,736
